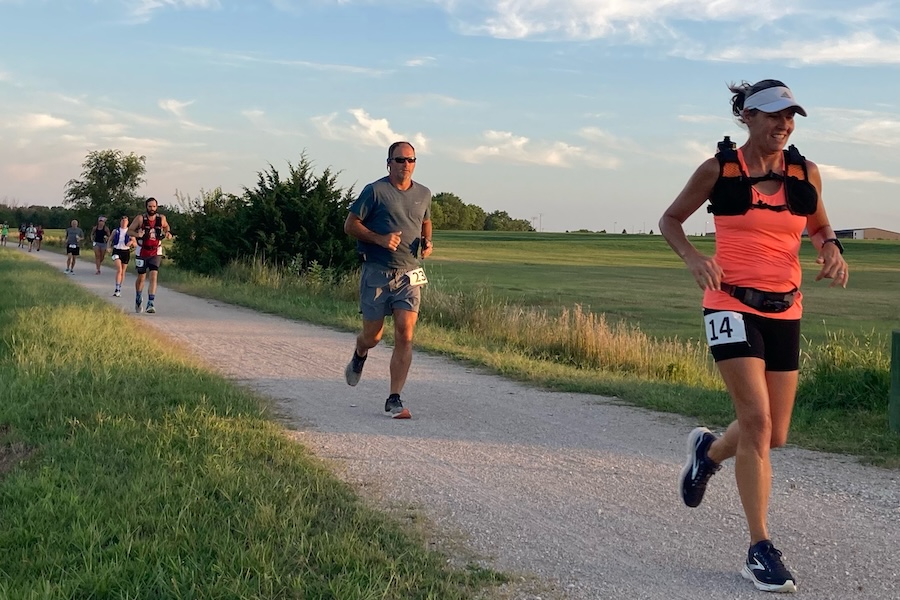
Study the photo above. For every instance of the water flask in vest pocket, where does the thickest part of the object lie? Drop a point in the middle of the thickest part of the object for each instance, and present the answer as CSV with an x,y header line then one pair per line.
x,y
726,144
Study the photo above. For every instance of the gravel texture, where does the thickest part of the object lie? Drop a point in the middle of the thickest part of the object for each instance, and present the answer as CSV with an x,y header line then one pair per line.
x,y
576,493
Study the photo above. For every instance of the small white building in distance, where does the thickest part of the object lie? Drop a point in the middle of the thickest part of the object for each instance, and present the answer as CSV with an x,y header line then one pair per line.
x,y
867,233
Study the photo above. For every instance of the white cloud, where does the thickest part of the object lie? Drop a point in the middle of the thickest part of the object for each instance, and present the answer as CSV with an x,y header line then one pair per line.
x,y
39,122
608,140
418,100
859,127
863,48
142,10
420,61
365,130
802,32
261,123
593,19
175,107
505,146
703,119
842,174
239,59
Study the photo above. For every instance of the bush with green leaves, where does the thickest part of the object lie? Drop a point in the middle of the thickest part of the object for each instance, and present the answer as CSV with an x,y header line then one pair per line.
x,y
297,220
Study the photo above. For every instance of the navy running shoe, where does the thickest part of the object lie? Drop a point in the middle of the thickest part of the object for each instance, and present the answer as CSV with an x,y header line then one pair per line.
x,y
766,570
698,468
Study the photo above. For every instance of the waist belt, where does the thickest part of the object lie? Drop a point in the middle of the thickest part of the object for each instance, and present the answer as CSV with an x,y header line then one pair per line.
x,y
772,302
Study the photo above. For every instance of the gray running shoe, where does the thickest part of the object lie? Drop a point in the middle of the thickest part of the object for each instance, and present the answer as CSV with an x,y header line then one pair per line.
x,y
394,408
353,372
138,307
150,308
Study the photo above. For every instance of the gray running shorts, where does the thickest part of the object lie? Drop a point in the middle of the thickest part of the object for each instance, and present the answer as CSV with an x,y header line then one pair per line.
x,y
383,290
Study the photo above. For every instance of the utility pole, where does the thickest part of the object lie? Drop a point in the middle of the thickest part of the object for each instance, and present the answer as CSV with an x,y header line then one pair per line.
x,y
541,220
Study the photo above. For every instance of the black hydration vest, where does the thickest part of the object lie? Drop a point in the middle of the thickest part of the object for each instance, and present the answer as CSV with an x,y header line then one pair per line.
x,y
157,229
733,192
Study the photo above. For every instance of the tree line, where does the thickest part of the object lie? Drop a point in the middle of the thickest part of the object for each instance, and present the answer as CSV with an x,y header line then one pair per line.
x,y
293,219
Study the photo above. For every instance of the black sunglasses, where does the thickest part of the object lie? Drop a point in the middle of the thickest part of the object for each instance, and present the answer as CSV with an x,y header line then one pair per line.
x,y
403,159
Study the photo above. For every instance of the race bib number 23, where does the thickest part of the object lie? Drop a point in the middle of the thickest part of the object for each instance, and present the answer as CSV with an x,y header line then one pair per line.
x,y
417,277
725,327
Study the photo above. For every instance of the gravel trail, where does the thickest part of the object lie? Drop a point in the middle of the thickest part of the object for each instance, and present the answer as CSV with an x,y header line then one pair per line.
x,y
574,491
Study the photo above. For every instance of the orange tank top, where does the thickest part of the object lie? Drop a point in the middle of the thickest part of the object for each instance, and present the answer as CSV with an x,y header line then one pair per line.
x,y
759,249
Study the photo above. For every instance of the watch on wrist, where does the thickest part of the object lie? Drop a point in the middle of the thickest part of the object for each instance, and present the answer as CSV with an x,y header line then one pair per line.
x,y
836,242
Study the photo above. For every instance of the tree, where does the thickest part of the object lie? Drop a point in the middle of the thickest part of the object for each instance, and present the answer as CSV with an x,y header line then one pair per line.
x,y
108,184
297,219
499,220
453,213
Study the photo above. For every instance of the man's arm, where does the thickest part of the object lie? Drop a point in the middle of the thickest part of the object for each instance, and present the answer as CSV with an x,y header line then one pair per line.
x,y
353,226
136,224
426,239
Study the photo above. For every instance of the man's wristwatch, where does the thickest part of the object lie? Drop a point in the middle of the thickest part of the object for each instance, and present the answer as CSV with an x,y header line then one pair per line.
x,y
836,242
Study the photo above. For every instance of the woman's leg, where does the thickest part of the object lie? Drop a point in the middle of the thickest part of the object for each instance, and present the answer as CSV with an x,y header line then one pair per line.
x,y
749,439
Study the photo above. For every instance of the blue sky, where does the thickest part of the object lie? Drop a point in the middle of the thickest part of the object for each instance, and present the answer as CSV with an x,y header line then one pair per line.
x,y
570,113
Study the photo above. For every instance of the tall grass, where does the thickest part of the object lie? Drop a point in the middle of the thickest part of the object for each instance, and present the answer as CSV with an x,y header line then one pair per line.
x,y
844,380
845,371
575,337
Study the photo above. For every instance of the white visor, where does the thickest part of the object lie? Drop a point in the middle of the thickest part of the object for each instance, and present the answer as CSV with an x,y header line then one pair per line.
x,y
772,100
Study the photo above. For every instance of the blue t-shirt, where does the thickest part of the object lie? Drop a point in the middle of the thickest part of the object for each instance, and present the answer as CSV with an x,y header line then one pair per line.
x,y
383,209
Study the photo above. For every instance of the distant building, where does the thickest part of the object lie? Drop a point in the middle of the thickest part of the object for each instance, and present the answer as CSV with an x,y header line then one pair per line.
x,y
867,233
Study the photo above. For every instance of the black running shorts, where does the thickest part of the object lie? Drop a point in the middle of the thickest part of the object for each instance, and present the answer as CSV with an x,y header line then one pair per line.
x,y
776,341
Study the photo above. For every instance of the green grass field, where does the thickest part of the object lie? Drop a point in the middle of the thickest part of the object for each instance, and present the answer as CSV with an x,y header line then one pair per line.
x,y
639,279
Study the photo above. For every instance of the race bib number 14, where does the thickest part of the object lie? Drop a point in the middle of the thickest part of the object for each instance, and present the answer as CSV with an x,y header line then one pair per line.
x,y
725,327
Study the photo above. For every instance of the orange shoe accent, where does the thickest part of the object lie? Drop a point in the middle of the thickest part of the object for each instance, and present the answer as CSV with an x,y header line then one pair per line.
x,y
403,414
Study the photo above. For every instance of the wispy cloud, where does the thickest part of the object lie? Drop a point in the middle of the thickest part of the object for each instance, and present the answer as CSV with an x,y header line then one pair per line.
x,y
842,174
593,19
39,122
802,32
863,48
177,109
260,121
365,129
143,10
420,61
860,127
703,119
419,100
504,146
240,58
608,140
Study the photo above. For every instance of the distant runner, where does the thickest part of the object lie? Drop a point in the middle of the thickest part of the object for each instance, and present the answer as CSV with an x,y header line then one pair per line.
x,y
149,229
99,238
74,236
120,247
